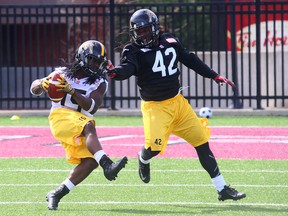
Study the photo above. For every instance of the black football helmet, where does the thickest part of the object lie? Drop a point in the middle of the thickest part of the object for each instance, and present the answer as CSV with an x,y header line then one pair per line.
x,y
144,28
92,49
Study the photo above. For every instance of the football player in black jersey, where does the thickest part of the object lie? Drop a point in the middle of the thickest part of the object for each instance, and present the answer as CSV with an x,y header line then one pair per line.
x,y
153,57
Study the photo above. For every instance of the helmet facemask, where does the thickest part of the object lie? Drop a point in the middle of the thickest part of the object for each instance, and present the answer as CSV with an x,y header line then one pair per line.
x,y
143,36
92,58
94,66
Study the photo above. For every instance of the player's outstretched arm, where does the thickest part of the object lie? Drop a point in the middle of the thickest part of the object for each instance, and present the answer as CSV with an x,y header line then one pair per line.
x,y
221,80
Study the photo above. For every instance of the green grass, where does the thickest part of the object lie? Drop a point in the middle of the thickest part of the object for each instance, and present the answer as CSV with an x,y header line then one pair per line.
x,y
177,187
137,121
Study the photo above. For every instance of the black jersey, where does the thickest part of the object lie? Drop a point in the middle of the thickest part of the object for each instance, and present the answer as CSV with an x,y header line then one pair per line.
x,y
156,69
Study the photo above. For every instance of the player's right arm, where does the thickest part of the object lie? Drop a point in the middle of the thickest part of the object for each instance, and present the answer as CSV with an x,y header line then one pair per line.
x,y
35,88
39,86
127,67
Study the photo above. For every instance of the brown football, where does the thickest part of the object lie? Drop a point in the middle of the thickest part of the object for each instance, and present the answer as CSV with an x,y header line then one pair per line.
x,y
53,94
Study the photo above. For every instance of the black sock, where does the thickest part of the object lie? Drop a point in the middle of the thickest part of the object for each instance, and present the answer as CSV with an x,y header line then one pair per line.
x,y
61,191
105,161
147,154
207,160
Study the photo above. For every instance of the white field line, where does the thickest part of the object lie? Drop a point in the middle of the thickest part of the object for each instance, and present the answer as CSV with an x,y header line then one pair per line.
x,y
159,171
144,185
6,137
213,139
142,126
152,203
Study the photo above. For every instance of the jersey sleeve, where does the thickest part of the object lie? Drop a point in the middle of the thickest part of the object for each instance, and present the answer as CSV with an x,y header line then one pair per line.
x,y
128,63
192,61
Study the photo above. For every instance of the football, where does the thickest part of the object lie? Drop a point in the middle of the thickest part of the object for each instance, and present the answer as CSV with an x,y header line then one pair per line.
x,y
205,112
53,94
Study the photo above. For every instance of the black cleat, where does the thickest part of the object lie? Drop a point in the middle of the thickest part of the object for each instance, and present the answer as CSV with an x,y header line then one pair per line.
x,y
52,200
230,193
111,169
54,196
144,171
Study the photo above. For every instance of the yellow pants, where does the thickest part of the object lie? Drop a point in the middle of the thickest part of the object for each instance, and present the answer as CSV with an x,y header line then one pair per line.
x,y
66,126
172,116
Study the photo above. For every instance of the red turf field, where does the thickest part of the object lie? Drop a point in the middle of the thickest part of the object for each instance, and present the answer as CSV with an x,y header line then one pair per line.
x,y
226,142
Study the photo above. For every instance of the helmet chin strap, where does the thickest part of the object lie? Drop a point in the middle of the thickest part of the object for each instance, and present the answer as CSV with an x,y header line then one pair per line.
x,y
92,72
146,44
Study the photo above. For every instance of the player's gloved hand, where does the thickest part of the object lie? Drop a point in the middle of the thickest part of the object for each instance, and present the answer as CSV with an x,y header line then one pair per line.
x,y
45,83
220,80
110,70
64,86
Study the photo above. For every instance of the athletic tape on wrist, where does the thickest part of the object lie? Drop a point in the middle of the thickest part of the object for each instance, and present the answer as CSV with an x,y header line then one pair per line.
x,y
72,91
92,105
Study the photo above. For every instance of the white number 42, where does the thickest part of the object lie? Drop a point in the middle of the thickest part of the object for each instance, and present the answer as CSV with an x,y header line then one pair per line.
x,y
159,62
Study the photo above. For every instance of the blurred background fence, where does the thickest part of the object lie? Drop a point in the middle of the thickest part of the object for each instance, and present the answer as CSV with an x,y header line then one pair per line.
x,y
245,41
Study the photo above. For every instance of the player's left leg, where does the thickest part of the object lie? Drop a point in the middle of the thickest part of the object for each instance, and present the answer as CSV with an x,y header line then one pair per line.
x,y
209,163
194,131
53,197
77,175
110,168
